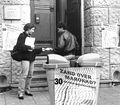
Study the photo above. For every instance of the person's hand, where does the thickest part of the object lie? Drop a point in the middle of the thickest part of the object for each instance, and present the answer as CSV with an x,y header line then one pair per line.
x,y
32,47
47,49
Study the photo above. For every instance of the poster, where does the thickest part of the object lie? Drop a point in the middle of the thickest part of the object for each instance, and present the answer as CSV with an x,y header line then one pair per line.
x,y
110,36
10,33
76,86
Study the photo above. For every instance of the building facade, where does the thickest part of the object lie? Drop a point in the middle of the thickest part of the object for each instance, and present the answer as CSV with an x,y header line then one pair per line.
x,y
93,12
20,13
107,12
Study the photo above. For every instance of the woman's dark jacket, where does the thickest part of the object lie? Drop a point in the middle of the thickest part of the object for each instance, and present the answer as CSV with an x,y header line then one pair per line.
x,y
23,49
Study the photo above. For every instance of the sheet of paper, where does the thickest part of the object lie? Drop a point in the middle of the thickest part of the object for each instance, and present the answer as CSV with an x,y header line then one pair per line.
x,y
30,41
110,36
10,35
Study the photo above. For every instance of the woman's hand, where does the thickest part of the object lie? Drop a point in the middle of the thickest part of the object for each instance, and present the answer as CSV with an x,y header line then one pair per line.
x,y
33,47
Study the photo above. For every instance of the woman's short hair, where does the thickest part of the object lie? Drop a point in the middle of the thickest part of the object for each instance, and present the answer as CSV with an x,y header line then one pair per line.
x,y
61,25
28,26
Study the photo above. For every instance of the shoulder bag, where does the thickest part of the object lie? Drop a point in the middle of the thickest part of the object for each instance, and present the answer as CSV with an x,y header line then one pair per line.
x,y
16,55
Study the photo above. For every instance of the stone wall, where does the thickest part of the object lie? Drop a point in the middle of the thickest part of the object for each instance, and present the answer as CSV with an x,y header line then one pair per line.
x,y
96,11
107,12
7,65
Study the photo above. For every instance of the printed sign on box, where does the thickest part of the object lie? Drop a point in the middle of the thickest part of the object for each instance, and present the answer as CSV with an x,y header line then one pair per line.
x,y
76,86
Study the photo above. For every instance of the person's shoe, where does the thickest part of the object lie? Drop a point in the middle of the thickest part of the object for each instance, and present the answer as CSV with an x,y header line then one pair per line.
x,y
20,96
28,93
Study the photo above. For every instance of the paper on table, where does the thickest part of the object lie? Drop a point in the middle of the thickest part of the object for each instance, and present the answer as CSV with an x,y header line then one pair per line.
x,y
30,41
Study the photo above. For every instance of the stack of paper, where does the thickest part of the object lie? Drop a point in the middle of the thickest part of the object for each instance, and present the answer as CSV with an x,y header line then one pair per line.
x,y
30,41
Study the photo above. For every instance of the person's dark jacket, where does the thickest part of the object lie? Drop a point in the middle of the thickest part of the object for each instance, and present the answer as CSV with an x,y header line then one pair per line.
x,y
67,44
23,49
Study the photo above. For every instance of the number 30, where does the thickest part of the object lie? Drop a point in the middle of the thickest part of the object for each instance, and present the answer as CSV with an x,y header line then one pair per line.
x,y
58,81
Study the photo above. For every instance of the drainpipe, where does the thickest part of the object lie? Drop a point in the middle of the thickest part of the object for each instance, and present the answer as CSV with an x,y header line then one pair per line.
x,y
82,25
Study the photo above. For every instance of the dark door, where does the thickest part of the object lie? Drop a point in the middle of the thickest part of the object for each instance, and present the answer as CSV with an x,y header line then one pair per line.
x,y
43,16
73,16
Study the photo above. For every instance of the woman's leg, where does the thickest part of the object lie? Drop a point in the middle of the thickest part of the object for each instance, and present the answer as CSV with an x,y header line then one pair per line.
x,y
23,76
29,77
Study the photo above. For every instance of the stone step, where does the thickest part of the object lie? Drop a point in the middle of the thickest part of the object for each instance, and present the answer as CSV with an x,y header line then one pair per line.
x,y
39,84
39,78
36,72
39,69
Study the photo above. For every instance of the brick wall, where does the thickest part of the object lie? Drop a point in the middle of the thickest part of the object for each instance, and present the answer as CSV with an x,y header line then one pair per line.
x,y
108,12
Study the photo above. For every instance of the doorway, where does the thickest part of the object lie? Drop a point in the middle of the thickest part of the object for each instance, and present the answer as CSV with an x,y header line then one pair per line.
x,y
45,14
69,12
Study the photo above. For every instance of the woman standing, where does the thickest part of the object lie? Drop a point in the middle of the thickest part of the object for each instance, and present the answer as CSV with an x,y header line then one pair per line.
x,y
27,54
